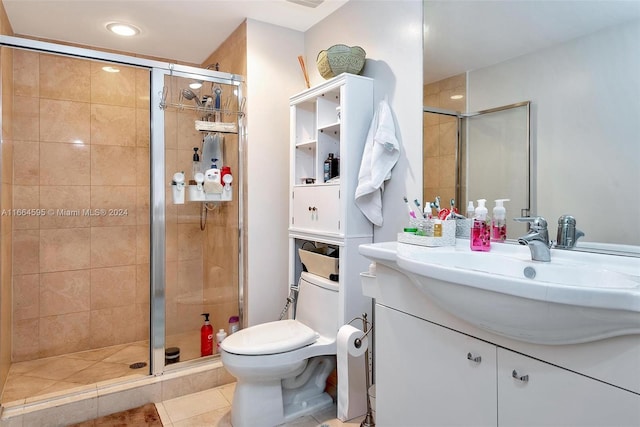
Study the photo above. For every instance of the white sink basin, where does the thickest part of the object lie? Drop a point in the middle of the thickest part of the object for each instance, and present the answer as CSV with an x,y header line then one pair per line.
x,y
577,297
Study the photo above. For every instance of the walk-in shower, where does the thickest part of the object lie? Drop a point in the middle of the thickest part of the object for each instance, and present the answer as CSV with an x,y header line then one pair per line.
x,y
101,272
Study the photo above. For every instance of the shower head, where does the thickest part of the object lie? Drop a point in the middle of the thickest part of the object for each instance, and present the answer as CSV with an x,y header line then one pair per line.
x,y
188,94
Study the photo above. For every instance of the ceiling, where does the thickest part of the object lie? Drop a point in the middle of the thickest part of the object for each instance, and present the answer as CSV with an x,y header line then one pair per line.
x,y
460,35
181,30
464,35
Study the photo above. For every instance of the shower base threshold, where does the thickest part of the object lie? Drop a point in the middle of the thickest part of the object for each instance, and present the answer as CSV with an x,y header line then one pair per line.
x,y
97,400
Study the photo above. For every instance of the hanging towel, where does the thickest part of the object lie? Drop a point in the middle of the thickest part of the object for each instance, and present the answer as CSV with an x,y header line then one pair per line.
x,y
381,152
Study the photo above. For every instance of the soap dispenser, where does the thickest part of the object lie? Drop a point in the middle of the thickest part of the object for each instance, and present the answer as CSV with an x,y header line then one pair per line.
x,y
499,221
480,230
206,337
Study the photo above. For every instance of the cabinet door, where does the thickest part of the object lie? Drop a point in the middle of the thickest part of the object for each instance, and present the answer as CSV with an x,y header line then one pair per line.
x,y
427,375
316,208
545,395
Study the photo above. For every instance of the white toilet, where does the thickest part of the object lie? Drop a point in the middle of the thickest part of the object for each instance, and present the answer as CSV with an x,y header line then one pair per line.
x,y
281,367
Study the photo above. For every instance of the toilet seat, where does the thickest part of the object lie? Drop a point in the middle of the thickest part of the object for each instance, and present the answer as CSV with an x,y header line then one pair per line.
x,y
270,338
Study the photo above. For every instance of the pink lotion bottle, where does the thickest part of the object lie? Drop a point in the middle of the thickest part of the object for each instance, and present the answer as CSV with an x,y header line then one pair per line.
x,y
480,229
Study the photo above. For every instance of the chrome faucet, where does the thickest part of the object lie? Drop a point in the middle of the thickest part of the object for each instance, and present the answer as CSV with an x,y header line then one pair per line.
x,y
568,234
537,238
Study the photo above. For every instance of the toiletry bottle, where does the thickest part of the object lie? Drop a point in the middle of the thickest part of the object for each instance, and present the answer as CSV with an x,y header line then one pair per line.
x,y
220,336
480,230
206,337
196,163
437,228
331,167
499,221
234,324
470,210
327,167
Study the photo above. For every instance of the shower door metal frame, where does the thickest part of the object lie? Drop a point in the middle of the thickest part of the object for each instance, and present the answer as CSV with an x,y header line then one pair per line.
x,y
530,187
158,70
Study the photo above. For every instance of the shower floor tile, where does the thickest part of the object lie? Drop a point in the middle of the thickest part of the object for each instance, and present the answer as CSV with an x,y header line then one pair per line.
x,y
32,379
28,380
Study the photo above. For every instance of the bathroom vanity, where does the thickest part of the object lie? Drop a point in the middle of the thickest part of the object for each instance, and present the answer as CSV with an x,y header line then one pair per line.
x,y
433,368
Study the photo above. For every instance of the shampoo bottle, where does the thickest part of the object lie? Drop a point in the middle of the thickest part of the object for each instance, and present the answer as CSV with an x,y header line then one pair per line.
x,y
196,163
499,221
220,336
206,337
480,230
330,167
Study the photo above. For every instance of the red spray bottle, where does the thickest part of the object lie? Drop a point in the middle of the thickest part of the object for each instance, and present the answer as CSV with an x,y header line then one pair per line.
x,y
206,337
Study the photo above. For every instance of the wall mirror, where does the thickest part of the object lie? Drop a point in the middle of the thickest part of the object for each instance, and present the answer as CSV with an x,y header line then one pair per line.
x,y
578,63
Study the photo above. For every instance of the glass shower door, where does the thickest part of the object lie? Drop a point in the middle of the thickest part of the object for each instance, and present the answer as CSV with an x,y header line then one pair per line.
x,y
201,232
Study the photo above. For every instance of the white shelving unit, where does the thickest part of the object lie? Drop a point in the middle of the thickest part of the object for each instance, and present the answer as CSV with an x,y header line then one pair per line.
x,y
322,212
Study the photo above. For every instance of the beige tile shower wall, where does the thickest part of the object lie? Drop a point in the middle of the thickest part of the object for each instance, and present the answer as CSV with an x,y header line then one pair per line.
x,y
222,244
440,138
80,281
184,239
201,265
6,201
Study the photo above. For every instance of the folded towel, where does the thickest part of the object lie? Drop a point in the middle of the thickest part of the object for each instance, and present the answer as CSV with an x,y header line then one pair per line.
x,y
381,152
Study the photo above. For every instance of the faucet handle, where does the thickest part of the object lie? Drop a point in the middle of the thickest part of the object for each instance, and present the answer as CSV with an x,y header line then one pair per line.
x,y
538,223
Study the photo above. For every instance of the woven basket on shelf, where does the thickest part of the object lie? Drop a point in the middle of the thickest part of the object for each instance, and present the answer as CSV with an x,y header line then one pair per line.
x,y
340,59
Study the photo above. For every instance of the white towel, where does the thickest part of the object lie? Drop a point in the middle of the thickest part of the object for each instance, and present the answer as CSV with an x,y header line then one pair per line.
x,y
381,152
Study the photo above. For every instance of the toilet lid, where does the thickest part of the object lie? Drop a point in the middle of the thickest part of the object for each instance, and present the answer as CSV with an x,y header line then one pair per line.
x,y
270,338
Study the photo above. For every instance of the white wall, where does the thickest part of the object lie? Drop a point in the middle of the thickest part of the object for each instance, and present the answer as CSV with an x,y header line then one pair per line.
x,y
391,34
585,125
272,76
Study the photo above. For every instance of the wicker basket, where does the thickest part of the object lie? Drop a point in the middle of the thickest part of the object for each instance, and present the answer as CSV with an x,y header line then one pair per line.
x,y
340,59
315,261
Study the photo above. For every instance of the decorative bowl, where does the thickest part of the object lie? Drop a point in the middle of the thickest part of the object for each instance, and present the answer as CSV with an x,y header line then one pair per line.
x,y
340,59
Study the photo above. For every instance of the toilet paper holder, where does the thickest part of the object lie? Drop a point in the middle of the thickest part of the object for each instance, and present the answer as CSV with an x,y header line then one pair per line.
x,y
366,328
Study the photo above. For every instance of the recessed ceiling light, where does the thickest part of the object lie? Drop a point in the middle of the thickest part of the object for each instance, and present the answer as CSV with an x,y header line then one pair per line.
x,y
126,30
110,69
195,85
457,96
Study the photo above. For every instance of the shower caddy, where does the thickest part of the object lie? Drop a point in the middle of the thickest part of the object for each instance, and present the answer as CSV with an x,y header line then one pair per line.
x,y
215,117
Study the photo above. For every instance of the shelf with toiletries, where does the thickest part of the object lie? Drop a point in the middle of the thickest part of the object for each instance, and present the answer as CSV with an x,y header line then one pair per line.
x,y
216,111
329,125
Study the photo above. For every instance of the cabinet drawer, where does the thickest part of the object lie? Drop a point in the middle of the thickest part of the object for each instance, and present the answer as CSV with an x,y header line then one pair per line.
x,y
534,393
316,208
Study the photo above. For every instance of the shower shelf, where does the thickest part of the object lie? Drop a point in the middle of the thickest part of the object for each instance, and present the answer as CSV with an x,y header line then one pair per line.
x,y
223,126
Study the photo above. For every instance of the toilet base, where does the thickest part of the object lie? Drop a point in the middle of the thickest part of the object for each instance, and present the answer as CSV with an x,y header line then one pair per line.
x,y
274,402
300,409
257,404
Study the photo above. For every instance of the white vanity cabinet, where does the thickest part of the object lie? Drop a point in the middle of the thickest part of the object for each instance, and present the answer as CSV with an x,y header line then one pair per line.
x,y
453,383
426,376
546,395
333,117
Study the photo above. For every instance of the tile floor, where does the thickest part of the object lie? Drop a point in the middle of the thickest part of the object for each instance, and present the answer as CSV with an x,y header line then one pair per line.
x,y
29,381
213,408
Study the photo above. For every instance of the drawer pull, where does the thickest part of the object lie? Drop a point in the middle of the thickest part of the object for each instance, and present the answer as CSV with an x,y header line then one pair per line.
x,y
523,378
476,359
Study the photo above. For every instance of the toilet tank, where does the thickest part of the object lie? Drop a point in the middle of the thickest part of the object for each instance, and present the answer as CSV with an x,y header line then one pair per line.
x,y
317,305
